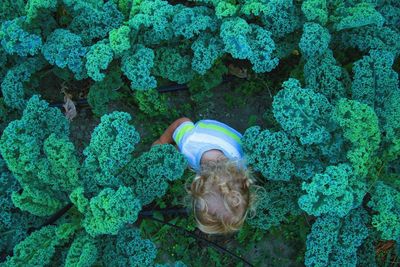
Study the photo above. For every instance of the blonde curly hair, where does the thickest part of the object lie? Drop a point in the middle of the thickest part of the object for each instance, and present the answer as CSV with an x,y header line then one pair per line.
x,y
221,196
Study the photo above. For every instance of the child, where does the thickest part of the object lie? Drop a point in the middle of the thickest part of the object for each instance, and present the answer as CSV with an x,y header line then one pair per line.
x,y
220,191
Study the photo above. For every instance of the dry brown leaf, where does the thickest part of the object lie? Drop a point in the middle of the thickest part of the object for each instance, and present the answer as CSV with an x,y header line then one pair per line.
x,y
70,109
238,72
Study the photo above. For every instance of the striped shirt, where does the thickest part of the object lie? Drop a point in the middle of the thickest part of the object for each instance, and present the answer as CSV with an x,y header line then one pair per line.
x,y
195,139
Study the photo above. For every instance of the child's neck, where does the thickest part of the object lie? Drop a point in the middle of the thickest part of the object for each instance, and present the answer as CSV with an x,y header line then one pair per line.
x,y
211,155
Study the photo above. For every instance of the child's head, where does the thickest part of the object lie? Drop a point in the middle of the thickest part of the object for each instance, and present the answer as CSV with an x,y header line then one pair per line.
x,y
221,197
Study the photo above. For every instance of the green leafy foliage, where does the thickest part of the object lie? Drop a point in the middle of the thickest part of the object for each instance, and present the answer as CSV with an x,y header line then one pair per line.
x,y
302,112
315,10
324,75
315,40
97,59
22,143
102,92
12,85
110,210
40,246
50,174
119,39
249,41
152,103
385,199
335,241
13,225
129,249
275,203
173,64
64,48
326,153
137,67
94,21
360,126
335,192
83,251
151,172
110,149
274,154
35,7
17,41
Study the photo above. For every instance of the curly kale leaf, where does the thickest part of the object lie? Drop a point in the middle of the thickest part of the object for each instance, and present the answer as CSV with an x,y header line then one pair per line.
x,y
173,64
119,39
315,40
14,224
315,10
369,38
101,93
37,202
254,7
325,76
275,203
234,35
95,22
137,65
110,210
249,41
303,113
152,21
190,22
39,248
149,174
377,85
152,103
10,9
63,164
98,58
334,192
359,124
386,201
282,18
274,154
129,249
82,252
22,144
15,40
65,49
334,241
110,149
207,49
12,85
39,154
359,15
374,79
79,199
34,8
263,48
8,184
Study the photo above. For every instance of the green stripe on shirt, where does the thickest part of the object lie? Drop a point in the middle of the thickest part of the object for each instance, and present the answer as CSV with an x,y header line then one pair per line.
x,y
182,132
221,130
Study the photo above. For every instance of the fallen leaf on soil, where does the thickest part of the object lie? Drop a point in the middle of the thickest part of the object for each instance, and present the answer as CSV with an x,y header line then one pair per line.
x,y
70,109
238,72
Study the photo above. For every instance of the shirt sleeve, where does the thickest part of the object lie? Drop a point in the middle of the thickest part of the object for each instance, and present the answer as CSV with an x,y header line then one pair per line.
x,y
182,131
